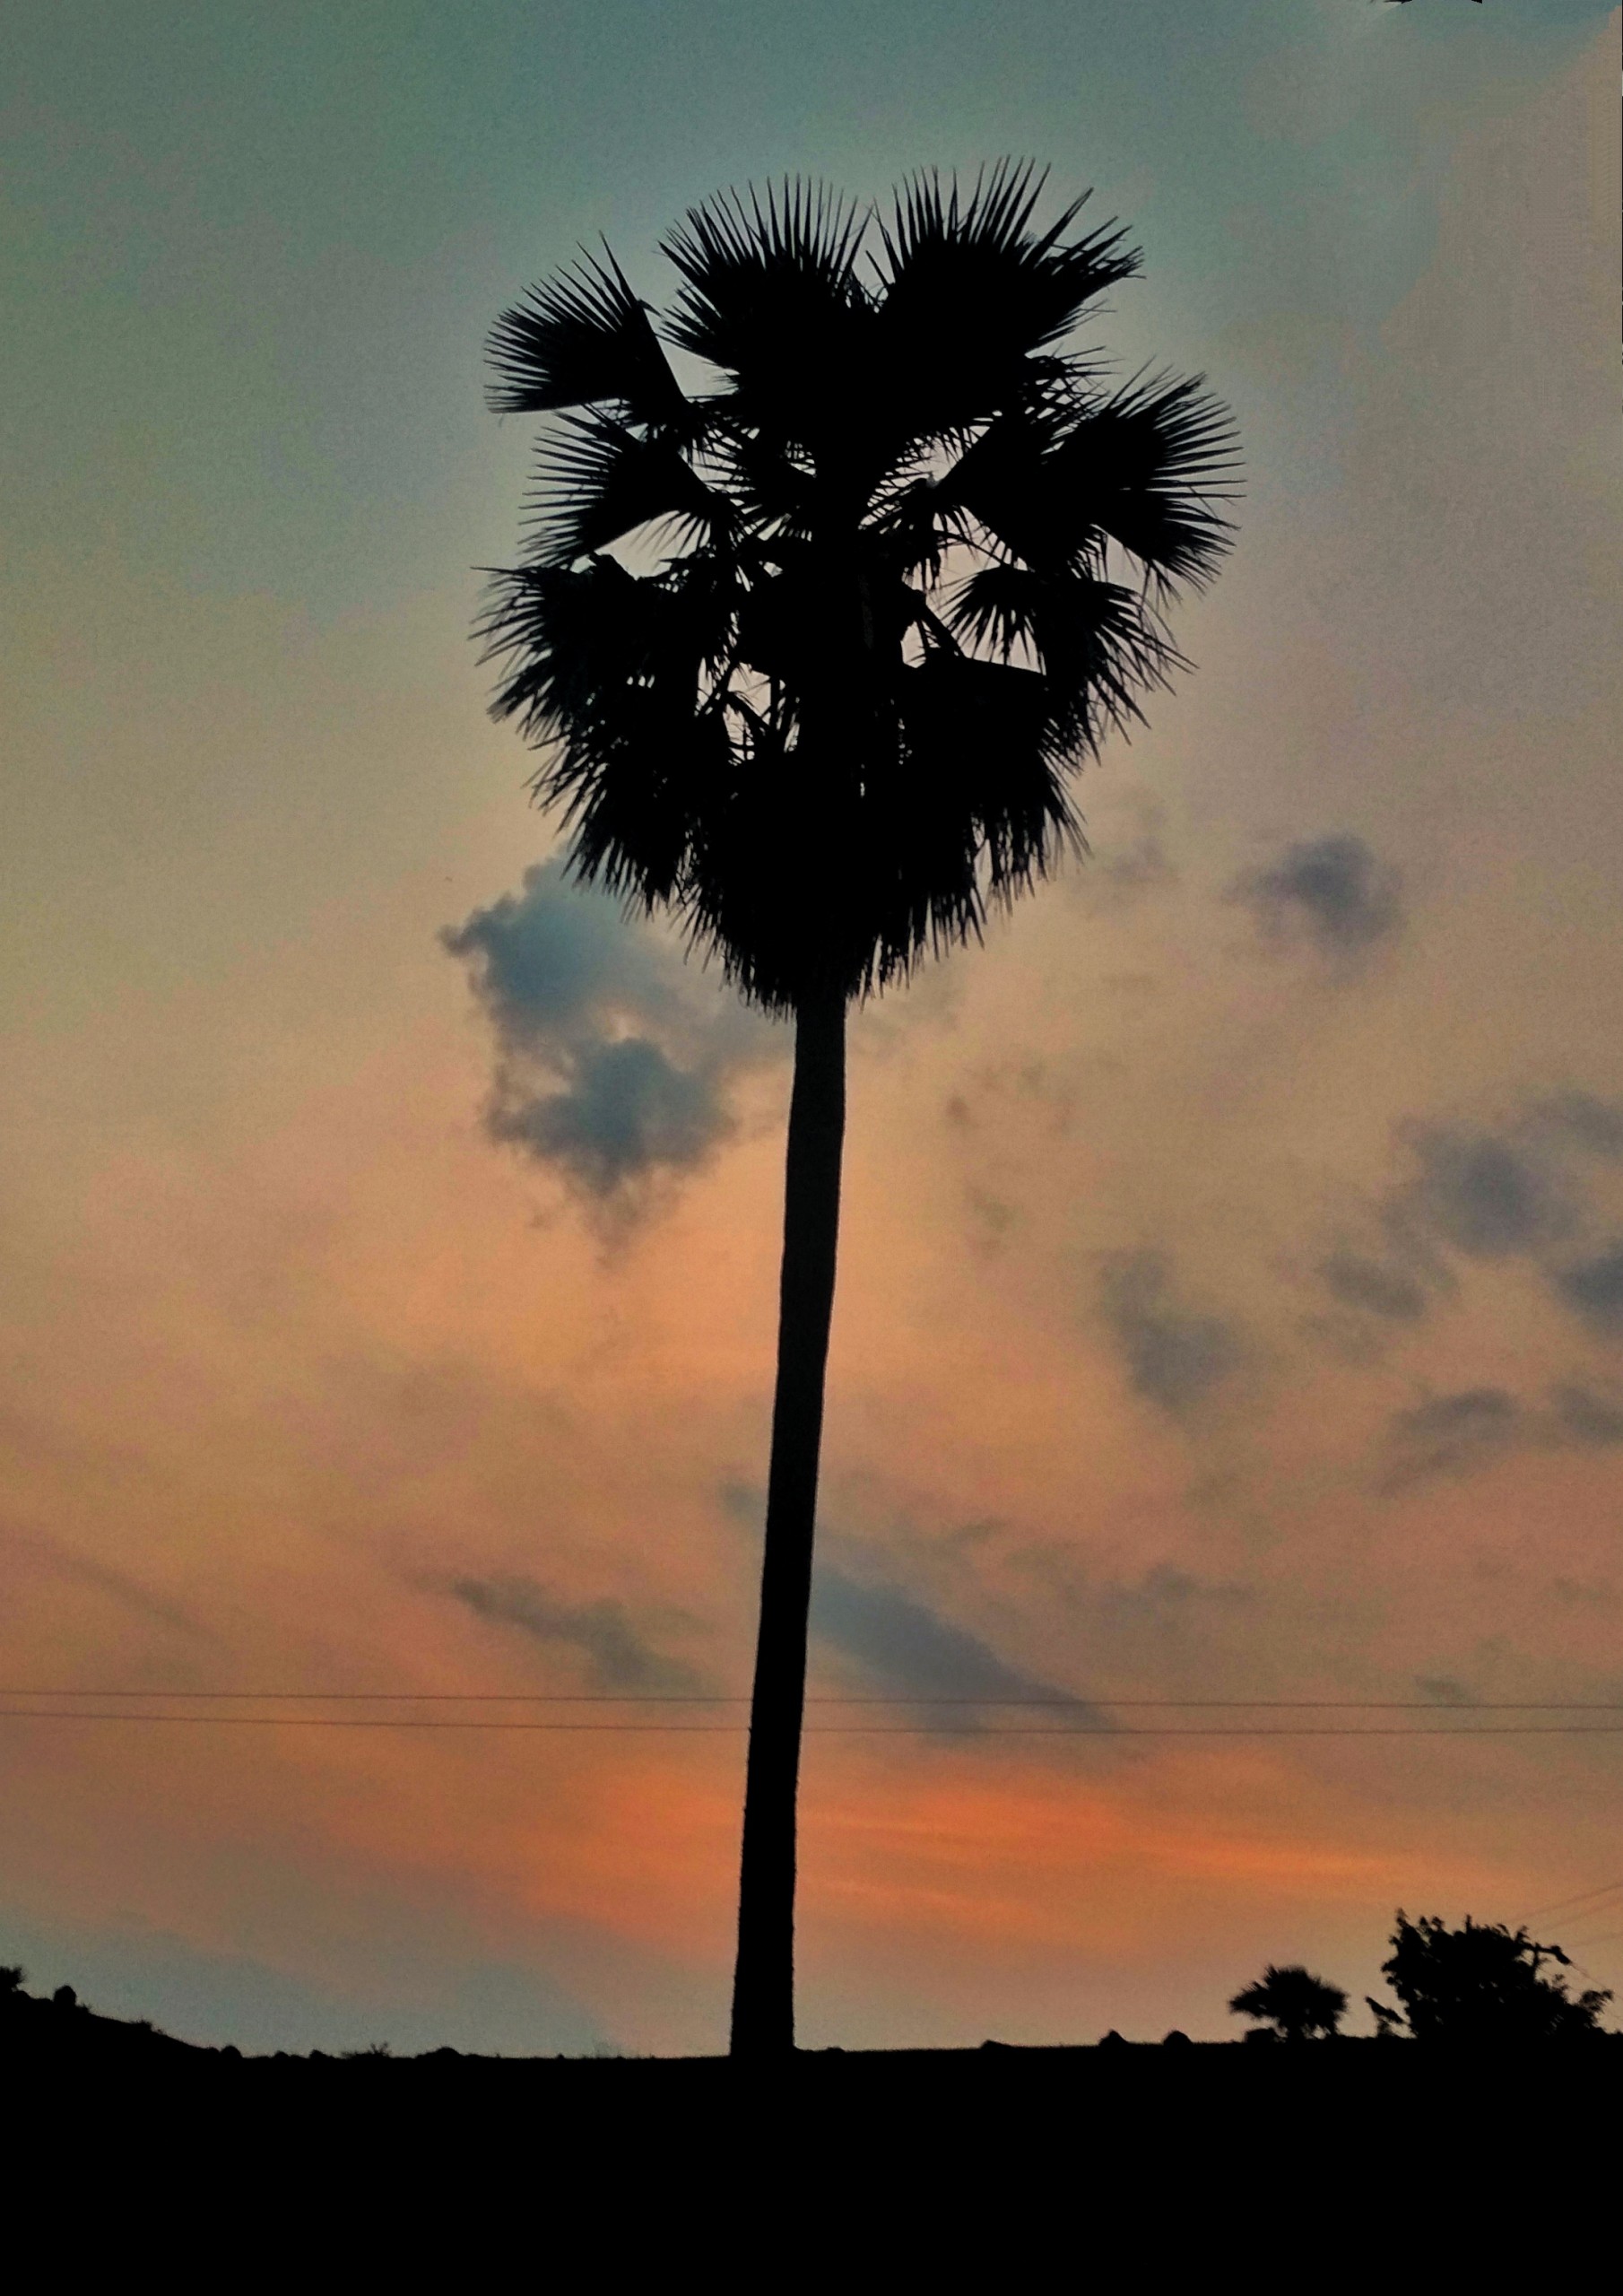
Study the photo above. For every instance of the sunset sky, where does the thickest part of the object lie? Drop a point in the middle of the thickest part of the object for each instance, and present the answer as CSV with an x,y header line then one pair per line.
x,y
1231,1290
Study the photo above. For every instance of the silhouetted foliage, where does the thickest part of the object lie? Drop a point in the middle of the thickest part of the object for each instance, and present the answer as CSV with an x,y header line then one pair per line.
x,y
812,652
1482,1982
908,558
1295,2003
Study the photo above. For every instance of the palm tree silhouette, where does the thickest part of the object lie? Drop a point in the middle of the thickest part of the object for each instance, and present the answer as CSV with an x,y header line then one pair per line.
x,y
888,574
1294,2001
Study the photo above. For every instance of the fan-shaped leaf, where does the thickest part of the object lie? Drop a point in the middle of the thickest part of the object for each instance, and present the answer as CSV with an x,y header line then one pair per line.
x,y
971,295
599,480
1146,467
771,296
581,340
1095,642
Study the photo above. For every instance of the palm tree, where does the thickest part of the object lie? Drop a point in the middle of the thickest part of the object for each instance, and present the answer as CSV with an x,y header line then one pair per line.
x,y
1294,2001
810,650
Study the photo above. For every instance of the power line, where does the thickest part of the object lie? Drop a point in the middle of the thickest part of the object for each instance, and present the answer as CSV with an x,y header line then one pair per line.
x,y
833,1729
695,1698
1583,1897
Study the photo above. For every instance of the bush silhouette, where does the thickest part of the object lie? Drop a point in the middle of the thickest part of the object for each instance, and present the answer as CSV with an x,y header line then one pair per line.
x,y
1294,2001
1482,1982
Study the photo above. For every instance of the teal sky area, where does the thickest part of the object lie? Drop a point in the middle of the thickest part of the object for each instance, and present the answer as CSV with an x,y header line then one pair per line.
x,y
1173,1349
252,254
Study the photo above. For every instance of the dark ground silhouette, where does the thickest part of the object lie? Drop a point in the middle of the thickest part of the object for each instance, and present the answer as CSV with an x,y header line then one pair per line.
x,y
60,2038
953,2167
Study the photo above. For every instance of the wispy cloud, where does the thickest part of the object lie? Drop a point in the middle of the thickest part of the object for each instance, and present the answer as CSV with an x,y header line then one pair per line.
x,y
1516,1188
908,1647
620,1655
131,1594
1373,1286
1451,1435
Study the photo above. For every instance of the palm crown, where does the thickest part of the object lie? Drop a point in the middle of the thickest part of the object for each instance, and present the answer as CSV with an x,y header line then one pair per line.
x,y
905,563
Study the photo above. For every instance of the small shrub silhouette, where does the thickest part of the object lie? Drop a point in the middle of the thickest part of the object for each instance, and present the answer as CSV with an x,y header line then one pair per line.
x,y
1295,2003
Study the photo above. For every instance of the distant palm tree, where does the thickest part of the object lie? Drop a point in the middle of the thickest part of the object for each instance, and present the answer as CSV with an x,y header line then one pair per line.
x,y
888,574
1294,2001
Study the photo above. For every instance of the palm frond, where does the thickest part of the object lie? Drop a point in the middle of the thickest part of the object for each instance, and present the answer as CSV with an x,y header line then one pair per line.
x,y
771,296
917,524
751,268
1004,481
582,339
607,672
633,824
770,486
1054,481
971,295
979,742
1097,643
599,480
574,642
1146,466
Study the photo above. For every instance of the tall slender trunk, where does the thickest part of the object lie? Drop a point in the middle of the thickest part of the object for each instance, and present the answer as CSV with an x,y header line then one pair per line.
x,y
763,1984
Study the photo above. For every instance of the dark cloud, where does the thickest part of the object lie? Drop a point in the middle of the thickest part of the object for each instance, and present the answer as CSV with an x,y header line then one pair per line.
x,y
1329,891
908,1647
1586,1419
614,1060
1379,1290
555,957
1593,1290
1451,1435
1587,1122
1173,1357
617,1655
1443,1688
1484,1194
627,1110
